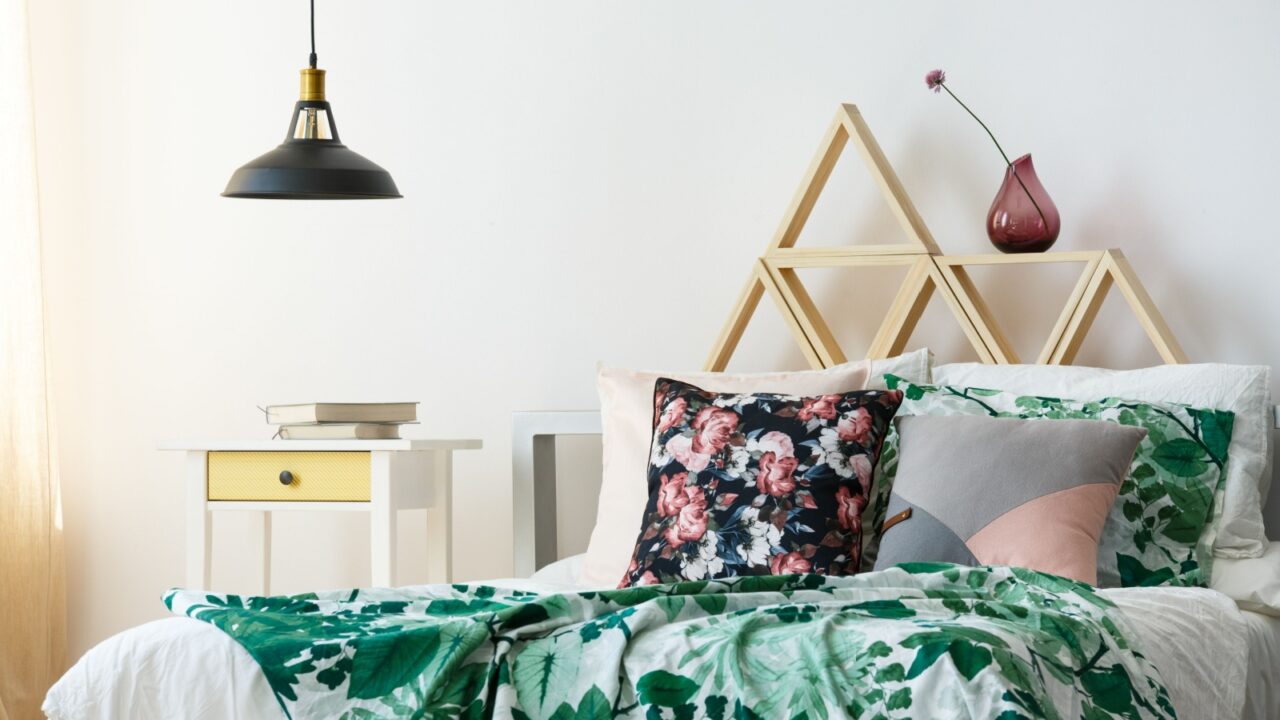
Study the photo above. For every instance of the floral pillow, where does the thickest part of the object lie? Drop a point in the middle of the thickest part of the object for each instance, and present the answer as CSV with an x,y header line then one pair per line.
x,y
1160,529
759,484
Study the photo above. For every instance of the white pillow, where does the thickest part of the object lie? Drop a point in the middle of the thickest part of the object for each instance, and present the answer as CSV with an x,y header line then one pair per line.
x,y
1254,583
626,413
565,571
1243,389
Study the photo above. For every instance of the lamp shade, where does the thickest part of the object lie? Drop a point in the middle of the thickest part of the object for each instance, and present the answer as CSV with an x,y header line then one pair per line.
x,y
312,163
311,171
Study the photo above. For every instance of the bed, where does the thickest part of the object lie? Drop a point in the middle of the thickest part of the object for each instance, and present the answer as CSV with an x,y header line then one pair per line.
x,y
186,667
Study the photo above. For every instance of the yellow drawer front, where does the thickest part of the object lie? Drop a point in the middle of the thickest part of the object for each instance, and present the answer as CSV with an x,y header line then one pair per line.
x,y
317,476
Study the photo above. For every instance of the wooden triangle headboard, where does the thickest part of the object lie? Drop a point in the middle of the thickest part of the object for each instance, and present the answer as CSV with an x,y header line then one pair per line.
x,y
928,270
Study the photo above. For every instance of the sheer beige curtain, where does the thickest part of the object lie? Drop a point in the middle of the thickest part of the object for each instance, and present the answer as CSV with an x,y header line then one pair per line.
x,y
32,622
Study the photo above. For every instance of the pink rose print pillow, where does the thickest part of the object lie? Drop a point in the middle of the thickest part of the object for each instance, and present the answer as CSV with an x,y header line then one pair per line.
x,y
758,484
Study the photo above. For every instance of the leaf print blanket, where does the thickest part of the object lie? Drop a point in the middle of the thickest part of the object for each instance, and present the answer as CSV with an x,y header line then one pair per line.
x,y
916,640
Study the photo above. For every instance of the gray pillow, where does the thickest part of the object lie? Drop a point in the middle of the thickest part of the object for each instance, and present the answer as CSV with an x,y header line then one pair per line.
x,y
1004,491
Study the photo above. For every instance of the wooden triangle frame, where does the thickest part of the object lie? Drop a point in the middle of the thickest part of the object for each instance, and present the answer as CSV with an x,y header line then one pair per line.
x,y
928,270
847,126
1114,269
1000,350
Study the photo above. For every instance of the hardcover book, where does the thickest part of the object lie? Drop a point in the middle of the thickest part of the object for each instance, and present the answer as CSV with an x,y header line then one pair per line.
x,y
341,431
306,413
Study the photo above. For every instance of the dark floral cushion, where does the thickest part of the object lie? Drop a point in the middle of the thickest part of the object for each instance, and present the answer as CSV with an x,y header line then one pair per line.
x,y
757,484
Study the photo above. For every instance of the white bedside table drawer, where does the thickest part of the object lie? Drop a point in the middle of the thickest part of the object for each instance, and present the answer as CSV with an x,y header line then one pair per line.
x,y
317,476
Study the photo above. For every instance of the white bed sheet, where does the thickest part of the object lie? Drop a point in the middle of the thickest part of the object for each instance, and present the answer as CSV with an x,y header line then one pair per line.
x,y
1215,660
1197,640
1262,690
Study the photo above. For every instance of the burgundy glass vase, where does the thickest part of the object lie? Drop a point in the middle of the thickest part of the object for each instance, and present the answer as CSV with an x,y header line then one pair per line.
x,y
1023,218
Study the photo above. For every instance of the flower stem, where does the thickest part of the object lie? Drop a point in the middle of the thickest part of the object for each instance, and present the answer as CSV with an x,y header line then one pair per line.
x,y
1002,153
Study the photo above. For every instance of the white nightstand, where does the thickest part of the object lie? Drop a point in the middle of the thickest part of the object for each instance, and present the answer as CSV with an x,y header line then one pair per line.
x,y
379,477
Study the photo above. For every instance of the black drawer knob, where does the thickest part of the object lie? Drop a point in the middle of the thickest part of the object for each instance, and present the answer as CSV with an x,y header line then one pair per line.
x,y
286,477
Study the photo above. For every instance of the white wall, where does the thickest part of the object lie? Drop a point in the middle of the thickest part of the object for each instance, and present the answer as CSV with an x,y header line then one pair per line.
x,y
583,180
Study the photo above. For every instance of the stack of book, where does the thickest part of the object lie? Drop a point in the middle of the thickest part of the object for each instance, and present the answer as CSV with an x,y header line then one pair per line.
x,y
342,421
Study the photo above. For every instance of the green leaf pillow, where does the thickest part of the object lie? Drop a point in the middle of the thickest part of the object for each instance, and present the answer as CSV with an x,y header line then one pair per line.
x,y
1160,530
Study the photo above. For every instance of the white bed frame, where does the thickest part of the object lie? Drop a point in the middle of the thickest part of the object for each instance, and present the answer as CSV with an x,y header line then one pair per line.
x,y
533,481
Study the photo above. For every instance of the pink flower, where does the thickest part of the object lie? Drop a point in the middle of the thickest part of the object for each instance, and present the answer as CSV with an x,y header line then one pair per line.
x,y
691,523
673,414
934,79
776,475
726,499
849,509
792,563
671,496
861,465
855,427
778,443
823,407
681,448
714,427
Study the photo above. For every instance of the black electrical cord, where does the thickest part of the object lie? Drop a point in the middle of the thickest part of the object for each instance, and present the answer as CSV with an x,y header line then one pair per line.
x,y
313,33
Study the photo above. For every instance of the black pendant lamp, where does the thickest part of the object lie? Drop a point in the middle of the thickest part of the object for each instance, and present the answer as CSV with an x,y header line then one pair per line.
x,y
312,163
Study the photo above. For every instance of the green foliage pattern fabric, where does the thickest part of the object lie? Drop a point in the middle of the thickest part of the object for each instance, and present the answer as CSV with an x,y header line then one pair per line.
x,y
922,640
1161,529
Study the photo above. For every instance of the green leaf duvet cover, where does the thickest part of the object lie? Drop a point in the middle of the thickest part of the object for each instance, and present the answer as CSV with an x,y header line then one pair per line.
x,y
913,641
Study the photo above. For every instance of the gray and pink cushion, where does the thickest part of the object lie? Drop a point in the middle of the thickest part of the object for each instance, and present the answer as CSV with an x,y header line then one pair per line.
x,y
1003,491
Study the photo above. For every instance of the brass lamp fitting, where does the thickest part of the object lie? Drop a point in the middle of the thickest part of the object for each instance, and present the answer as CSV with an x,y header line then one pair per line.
x,y
312,84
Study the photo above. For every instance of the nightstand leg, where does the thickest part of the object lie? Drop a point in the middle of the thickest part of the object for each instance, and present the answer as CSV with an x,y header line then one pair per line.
x,y
440,519
382,523
199,525
266,552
